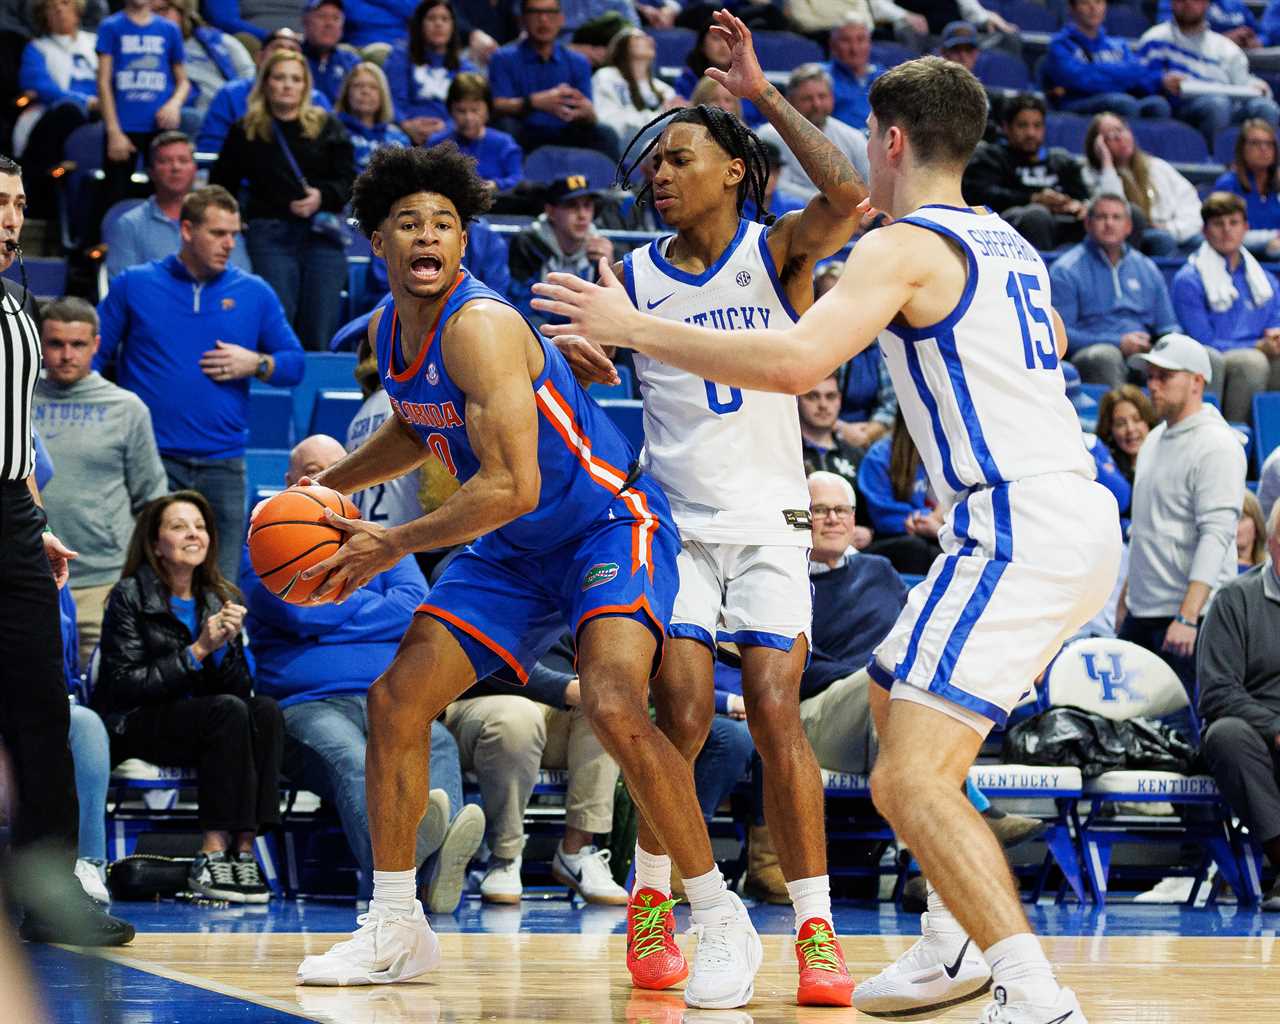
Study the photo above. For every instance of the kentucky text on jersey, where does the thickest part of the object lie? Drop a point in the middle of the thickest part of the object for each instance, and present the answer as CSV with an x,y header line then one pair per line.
x,y
1008,244
427,414
732,318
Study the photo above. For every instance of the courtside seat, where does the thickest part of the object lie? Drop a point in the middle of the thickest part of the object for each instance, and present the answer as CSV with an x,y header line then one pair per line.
x,y
1027,780
846,783
1153,786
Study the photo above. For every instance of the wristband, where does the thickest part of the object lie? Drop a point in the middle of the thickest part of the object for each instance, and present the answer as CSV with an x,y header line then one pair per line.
x,y
1184,621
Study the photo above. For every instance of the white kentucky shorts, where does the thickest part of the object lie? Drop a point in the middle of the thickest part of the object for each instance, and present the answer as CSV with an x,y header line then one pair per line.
x,y
750,595
1024,565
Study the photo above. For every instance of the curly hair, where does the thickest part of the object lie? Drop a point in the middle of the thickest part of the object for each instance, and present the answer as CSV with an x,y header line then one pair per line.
x,y
396,172
727,132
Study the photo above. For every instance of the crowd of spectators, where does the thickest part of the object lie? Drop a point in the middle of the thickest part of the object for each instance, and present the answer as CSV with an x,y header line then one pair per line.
x,y
144,401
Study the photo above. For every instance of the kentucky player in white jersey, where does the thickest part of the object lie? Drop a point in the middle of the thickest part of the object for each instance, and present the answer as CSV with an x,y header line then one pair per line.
x,y
1031,542
730,462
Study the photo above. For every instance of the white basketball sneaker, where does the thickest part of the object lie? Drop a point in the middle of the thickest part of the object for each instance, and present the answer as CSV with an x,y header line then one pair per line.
x,y
942,969
385,948
723,973
1065,1011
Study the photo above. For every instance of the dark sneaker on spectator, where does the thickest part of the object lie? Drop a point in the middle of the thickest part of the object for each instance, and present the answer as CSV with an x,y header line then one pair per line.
x,y
915,895
249,878
77,921
214,875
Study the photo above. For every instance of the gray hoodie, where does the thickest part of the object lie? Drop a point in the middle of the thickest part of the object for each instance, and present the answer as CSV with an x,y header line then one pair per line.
x,y
106,467
1187,491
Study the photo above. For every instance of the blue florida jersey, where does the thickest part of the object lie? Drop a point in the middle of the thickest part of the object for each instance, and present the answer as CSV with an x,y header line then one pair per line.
x,y
583,458
982,391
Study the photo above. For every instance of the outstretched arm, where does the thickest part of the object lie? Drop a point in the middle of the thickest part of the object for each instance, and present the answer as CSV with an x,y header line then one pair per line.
x,y
882,275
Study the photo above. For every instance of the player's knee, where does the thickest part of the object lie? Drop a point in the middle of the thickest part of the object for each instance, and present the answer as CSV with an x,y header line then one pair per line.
x,y
616,725
391,715
886,789
686,725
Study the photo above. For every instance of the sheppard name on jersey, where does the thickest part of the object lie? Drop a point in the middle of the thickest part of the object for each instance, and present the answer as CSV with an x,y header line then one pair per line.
x,y
732,318
1008,244
428,415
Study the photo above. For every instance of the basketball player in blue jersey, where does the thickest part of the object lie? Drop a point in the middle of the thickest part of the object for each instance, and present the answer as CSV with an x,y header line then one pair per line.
x,y
572,535
730,463
1031,544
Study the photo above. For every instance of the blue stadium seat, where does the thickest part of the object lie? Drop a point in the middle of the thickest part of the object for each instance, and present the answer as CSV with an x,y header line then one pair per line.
x,y
889,55
333,413
785,51
628,416
549,162
1028,16
270,417
1125,21
672,46
1266,424
1224,146
265,468
1171,140
46,276
1066,130
999,70
77,197
333,370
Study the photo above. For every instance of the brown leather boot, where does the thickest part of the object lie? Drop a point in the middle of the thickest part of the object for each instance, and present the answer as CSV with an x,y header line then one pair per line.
x,y
764,875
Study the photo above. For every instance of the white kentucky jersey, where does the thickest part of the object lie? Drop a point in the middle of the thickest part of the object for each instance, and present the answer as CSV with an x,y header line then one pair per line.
x,y
392,503
729,460
982,391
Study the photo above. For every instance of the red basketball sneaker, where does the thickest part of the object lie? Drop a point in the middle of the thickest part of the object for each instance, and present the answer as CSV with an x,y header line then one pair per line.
x,y
824,979
653,958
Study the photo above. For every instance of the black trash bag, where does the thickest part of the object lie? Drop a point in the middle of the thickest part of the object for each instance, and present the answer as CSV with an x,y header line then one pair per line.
x,y
1073,737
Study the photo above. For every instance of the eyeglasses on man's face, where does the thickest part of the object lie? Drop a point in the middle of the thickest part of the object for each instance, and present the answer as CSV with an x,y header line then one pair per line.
x,y
839,511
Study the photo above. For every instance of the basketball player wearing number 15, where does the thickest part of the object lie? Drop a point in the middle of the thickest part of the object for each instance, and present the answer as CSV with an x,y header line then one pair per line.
x,y
571,536
1031,543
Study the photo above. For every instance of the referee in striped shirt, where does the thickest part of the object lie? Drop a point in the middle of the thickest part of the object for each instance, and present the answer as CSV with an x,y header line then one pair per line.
x,y
34,711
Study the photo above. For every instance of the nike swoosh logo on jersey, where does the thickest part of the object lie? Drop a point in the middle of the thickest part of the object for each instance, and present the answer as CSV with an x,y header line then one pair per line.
x,y
954,969
654,305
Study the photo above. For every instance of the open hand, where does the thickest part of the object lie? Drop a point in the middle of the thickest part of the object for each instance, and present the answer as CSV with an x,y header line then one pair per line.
x,y
587,360
744,78
367,552
59,556
601,313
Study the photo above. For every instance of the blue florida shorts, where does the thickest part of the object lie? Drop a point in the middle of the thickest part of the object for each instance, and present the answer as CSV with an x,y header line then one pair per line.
x,y
507,606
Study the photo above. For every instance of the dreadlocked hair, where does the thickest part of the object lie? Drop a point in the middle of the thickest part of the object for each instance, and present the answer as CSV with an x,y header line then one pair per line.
x,y
729,133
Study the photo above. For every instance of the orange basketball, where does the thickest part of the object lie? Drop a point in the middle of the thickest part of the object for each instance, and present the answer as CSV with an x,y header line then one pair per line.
x,y
290,534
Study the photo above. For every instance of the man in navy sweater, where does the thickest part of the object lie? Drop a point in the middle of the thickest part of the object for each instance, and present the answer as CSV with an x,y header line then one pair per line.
x,y
318,661
185,334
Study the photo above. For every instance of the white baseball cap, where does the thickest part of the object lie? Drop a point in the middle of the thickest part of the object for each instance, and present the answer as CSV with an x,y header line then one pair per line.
x,y
1176,352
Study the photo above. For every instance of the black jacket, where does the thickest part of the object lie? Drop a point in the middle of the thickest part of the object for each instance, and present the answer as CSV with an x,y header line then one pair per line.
x,y
144,653
1000,178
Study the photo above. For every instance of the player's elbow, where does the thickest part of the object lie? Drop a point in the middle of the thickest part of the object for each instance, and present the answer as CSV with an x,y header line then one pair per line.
x,y
794,376
525,491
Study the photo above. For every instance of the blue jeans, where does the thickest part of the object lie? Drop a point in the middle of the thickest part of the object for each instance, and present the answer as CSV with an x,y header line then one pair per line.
x,y
307,272
1120,103
324,743
723,761
222,482
1209,115
91,752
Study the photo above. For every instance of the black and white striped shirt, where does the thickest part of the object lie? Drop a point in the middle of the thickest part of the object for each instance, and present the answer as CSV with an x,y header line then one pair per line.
x,y
19,369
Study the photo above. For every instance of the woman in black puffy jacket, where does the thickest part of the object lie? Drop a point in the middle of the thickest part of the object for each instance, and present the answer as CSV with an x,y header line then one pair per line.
x,y
174,688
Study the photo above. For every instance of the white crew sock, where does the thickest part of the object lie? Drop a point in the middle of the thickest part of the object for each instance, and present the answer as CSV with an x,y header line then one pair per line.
x,y
811,897
653,871
708,898
1018,965
395,891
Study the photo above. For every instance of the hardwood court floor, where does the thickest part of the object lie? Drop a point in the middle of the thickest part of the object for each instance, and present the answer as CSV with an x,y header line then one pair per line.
x,y
581,979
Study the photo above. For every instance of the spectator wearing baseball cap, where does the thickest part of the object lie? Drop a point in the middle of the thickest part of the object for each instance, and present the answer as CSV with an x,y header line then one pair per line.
x,y
563,240
1187,492
322,25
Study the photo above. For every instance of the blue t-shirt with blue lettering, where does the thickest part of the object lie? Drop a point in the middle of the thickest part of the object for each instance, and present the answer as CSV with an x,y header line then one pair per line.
x,y
142,60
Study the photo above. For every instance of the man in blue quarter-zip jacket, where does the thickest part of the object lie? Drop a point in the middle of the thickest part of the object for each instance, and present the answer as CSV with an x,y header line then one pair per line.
x,y
185,334
1112,299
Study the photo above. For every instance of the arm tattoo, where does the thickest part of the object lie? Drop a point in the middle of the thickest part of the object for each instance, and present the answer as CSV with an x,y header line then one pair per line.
x,y
827,167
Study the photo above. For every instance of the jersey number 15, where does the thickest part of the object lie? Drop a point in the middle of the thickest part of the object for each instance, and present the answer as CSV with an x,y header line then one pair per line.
x,y
1036,345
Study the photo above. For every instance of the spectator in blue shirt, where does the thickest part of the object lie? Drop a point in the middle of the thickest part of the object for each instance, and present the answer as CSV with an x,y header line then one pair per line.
x,y
1231,18
318,662
365,110
152,230
1231,305
499,159
1112,299
851,70
1270,27
1087,70
142,85
212,58
376,21
542,89
255,18
1255,176
421,67
893,486
322,26
232,101
185,335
